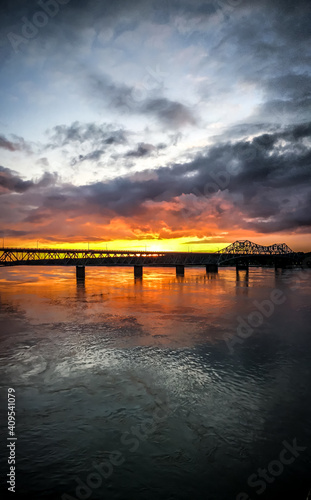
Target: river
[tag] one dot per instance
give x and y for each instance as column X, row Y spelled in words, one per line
column 162, row 388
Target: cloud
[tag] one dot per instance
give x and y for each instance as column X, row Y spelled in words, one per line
column 5, row 144
column 248, row 64
column 141, row 151
column 287, row 99
column 91, row 140
column 18, row 144
column 265, row 188
column 15, row 234
column 117, row 96
column 92, row 156
column 77, row 133
column 170, row 113
column 11, row 181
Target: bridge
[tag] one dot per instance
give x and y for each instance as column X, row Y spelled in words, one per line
column 241, row 254
column 246, row 247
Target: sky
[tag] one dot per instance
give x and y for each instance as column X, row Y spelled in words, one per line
column 164, row 125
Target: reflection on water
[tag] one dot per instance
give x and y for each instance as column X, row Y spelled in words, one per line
column 95, row 363
column 242, row 281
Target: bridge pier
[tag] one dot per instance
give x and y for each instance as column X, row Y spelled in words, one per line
column 242, row 264
column 211, row 268
column 138, row 271
column 80, row 273
column 279, row 263
column 180, row 270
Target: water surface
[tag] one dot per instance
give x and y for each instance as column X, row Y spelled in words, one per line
column 149, row 369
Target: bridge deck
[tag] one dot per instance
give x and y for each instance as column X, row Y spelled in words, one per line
column 70, row 257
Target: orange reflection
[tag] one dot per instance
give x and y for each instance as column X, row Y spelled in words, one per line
column 242, row 279
column 158, row 309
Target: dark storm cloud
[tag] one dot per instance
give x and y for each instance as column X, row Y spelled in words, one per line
column 266, row 45
column 287, row 98
column 298, row 132
column 67, row 21
column 290, row 86
column 260, row 41
column 75, row 16
column 282, row 19
column 11, row 181
column 268, row 188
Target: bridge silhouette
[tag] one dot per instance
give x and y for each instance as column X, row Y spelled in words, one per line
column 241, row 254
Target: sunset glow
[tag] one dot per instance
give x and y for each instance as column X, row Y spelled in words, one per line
column 155, row 126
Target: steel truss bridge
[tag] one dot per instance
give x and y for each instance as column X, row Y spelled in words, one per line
column 246, row 247
column 242, row 254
